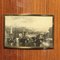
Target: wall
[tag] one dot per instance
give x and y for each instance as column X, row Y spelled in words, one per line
column 50, row 7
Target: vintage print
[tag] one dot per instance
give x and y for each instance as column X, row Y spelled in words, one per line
column 29, row 31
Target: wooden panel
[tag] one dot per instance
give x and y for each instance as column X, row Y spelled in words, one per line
column 50, row 7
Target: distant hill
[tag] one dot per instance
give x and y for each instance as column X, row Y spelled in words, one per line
column 20, row 30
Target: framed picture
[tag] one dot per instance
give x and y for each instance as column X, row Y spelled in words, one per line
column 29, row 31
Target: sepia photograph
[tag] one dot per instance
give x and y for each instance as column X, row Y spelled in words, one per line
column 29, row 31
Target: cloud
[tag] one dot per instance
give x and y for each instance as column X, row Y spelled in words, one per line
column 39, row 23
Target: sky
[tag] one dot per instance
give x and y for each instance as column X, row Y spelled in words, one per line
column 37, row 23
